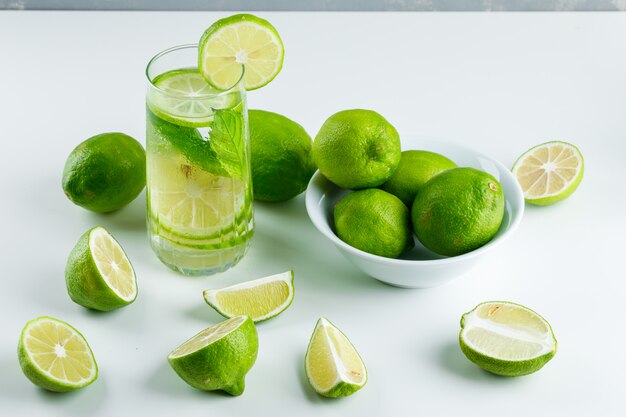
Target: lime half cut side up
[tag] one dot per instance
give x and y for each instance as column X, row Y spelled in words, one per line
column 332, row 364
column 184, row 98
column 98, row 274
column 236, row 41
column 55, row 356
column 218, row 357
column 549, row 172
column 260, row 299
column 506, row 339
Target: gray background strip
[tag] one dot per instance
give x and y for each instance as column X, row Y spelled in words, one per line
column 320, row 5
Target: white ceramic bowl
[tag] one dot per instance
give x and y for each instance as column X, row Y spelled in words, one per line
column 419, row 268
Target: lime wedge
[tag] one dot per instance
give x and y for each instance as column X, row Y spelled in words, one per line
column 184, row 98
column 506, row 338
column 218, row 357
column 260, row 299
column 549, row 172
column 332, row 365
column 55, row 356
column 190, row 202
column 98, row 273
column 241, row 39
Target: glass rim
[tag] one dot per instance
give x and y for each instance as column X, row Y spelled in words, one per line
column 202, row 96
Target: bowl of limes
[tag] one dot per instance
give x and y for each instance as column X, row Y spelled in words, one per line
column 444, row 208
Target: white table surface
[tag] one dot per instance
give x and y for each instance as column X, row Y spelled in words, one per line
column 497, row 82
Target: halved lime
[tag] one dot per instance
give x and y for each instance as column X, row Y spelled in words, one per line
column 183, row 97
column 55, row 356
column 506, row 339
column 218, row 357
column 260, row 299
column 98, row 273
column 236, row 41
column 190, row 202
column 549, row 172
column 332, row 365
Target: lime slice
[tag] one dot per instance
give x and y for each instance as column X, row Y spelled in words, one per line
column 55, row 356
column 241, row 39
column 218, row 357
column 549, row 172
column 98, row 273
column 260, row 299
column 332, row 365
column 184, row 98
column 506, row 338
column 190, row 202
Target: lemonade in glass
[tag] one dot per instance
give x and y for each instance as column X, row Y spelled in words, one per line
column 199, row 188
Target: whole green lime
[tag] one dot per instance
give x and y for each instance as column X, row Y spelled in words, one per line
column 458, row 211
column 105, row 172
column 281, row 159
column 374, row 221
column 415, row 168
column 357, row 149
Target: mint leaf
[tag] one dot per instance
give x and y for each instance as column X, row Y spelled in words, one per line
column 227, row 141
column 189, row 142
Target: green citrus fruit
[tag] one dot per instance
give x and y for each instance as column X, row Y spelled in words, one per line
column 374, row 221
column 241, row 39
column 332, row 365
column 506, row 339
column 55, row 356
column 105, row 172
column 260, row 299
column 357, row 149
column 458, row 211
column 98, row 274
column 550, row 172
column 415, row 168
column 281, row 159
column 218, row 357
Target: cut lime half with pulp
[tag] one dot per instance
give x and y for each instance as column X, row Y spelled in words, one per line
column 236, row 41
column 183, row 97
column 218, row 357
column 55, row 356
column 506, row 339
column 549, row 172
column 260, row 299
column 98, row 273
column 332, row 364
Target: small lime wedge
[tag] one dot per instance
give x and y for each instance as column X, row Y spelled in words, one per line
column 98, row 274
column 240, row 40
column 506, row 339
column 332, row 364
column 260, row 299
column 549, row 172
column 218, row 357
column 55, row 356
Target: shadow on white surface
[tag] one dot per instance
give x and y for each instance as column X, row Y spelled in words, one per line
column 165, row 382
column 129, row 218
column 81, row 402
column 203, row 313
